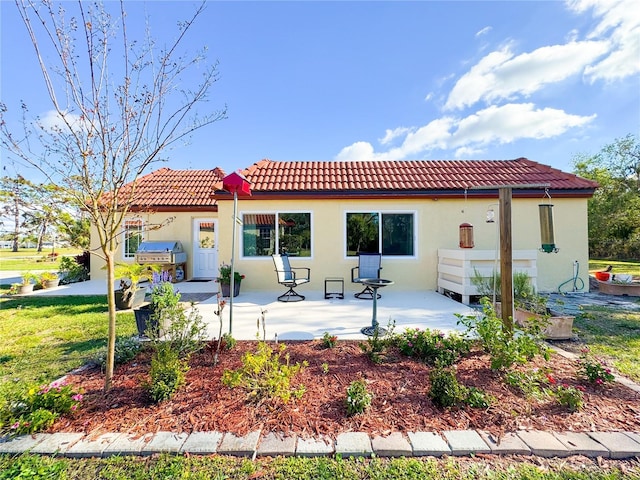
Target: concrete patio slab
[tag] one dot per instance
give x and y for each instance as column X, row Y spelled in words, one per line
column 428, row 444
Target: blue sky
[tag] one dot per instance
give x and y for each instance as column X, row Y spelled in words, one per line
column 362, row 80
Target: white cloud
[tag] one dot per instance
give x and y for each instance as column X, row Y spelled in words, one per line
column 389, row 135
column 501, row 75
column 484, row 31
column 619, row 23
column 51, row 121
column 471, row 134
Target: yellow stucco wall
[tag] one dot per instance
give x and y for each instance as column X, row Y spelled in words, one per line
column 436, row 226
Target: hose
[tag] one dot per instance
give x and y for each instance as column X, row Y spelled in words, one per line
column 575, row 279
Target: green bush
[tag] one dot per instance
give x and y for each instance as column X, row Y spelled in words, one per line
column 432, row 347
column 264, row 376
column 126, row 350
column 358, row 397
column 167, row 373
column 33, row 409
column 445, row 389
column 504, row 348
column 570, row 397
column 477, row 398
column 377, row 344
column 328, row 340
column 71, row 271
column 529, row 383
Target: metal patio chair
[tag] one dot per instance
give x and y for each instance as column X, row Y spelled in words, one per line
column 290, row 277
column 369, row 266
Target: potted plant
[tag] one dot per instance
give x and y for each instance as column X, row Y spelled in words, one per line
column 163, row 297
column 131, row 294
column 28, row 282
column 225, row 280
column 49, row 279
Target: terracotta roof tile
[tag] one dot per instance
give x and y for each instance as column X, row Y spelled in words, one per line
column 177, row 188
column 424, row 175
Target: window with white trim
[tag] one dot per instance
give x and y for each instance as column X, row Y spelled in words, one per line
column 133, row 237
column 389, row 233
column 264, row 234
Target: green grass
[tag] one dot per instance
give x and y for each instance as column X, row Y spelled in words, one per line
column 219, row 467
column 612, row 334
column 46, row 337
column 30, row 259
column 632, row 268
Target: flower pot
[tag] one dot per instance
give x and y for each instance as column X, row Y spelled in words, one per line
column 558, row 327
column 26, row 288
column 226, row 287
column 146, row 321
column 51, row 283
column 131, row 301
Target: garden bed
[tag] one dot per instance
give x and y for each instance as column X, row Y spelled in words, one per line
column 400, row 387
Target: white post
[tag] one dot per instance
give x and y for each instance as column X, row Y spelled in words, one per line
column 233, row 256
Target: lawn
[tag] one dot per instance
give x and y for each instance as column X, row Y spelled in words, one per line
column 632, row 268
column 45, row 337
column 29, row 259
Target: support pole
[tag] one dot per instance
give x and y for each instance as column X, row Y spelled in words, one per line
column 233, row 259
column 506, row 259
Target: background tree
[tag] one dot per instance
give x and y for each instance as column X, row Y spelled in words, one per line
column 16, row 196
column 119, row 101
column 614, row 210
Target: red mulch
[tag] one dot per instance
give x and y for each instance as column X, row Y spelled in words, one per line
column 400, row 387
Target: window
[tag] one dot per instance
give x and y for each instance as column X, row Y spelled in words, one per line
column 373, row 232
column 261, row 237
column 132, row 237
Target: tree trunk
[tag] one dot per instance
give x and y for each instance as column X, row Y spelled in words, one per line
column 111, row 335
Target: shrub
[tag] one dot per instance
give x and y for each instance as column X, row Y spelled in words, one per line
column 594, row 370
column 358, row 397
column 504, row 348
column 432, row 347
column 329, row 341
column 570, row 397
column 167, row 374
column 33, row 409
column 377, row 344
column 125, row 350
column 445, row 389
column 264, row 376
column 529, row 383
column 478, row 398
column 71, row 271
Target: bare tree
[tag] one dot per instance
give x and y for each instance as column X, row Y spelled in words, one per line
column 118, row 103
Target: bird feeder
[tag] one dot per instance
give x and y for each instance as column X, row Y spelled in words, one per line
column 466, row 235
column 546, row 229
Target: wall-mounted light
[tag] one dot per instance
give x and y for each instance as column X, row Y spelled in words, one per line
column 491, row 215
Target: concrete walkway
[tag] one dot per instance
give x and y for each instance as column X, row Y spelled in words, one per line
column 614, row 445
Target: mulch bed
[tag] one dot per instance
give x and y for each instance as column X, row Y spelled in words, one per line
column 400, row 387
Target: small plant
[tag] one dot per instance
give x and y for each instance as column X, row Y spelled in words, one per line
column 445, row 389
column 325, row 368
column 328, row 340
column 570, row 397
column 358, row 397
column 167, row 374
column 71, row 271
column 225, row 275
column 529, row 382
column 477, row 398
column 35, row 408
column 504, row 348
column 229, row 343
column 432, row 347
column 377, row 344
column 593, row 369
column 264, row 376
column 28, row 278
column 125, row 350
column 48, row 277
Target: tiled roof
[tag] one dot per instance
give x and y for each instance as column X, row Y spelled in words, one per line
column 175, row 188
column 424, row 175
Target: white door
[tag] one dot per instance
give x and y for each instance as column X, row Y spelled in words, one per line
column 205, row 248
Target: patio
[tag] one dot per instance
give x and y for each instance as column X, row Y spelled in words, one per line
column 310, row 318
